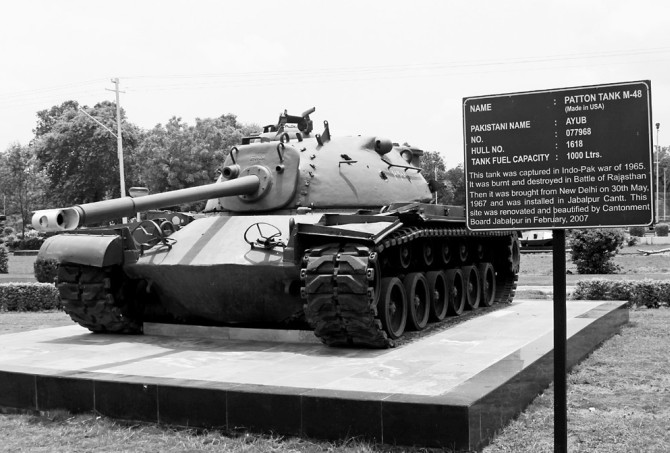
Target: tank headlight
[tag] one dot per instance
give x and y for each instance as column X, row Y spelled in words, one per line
column 407, row 155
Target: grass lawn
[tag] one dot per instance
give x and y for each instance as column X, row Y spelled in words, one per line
column 618, row 398
column 633, row 264
column 21, row 265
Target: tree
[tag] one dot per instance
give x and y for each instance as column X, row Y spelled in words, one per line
column 78, row 156
column 456, row 177
column 20, row 181
column 451, row 182
column 176, row 156
column 435, row 170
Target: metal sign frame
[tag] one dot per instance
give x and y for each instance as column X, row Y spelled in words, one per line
column 584, row 142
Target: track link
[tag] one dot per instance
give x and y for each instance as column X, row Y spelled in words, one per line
column 94, row 298
column 340, row 284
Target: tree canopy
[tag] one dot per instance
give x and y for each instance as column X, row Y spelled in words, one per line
column 73, row 159
column 451, row 182
column 21, row 183
column 177, row 155
column 78, row 156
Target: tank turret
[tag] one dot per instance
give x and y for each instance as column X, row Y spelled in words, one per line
column 302, row 230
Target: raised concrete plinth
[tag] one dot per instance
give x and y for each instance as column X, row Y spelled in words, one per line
column 454, row 388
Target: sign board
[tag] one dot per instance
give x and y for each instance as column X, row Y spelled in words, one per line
column 564, row 158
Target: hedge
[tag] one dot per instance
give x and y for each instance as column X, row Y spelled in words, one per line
column 4, row 260
column 28, row 297
column 647, row 292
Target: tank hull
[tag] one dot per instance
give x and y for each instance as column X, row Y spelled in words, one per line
column 212, row 275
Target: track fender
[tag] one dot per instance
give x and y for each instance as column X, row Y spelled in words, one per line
column 98, row 251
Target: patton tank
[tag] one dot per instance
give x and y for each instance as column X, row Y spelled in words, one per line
column 302, row 230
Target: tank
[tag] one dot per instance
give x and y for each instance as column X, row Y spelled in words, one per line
column 301, row 230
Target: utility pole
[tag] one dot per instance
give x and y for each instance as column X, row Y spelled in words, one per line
column 119, row 140
column 658, row 158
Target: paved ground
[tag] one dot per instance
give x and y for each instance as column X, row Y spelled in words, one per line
column 455, row 387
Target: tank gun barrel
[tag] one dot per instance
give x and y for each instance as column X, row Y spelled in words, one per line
column 85, row 214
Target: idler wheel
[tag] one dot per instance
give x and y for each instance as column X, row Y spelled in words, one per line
column 392, row 307
column 418, row 296
column 437, row 287
column 455, row 292
column 487, row 276
column 473, row 289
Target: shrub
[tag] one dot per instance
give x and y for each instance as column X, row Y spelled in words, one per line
column 637, row 231
column 650, row 293
column 593, row 250
column 45, row 269
column 4, row 259
column 631, row 241
column 661, row 229
column 8, row 240
column 28, row 297
column 28, row 243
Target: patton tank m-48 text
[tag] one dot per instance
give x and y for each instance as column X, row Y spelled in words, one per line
column 335, row 233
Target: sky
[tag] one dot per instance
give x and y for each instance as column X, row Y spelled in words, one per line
column 390, row 68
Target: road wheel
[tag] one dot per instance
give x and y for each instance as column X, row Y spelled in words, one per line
column 392, row 307
column 473, row 290
column 418, row 297
column 487, row 277
column 455, row 292
column 437, row 287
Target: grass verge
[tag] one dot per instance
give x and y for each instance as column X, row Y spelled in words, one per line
column 618, row 398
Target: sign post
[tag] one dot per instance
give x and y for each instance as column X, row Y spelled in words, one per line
column 559, row 159
column 560, row 346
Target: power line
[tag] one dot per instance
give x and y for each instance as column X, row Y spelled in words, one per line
column 337, row 74
column 46, row 90
column 405, row 67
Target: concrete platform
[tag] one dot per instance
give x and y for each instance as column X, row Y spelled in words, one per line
column 454, row 388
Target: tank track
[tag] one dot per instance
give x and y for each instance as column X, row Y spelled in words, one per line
column 341, row 283
column 95, row 298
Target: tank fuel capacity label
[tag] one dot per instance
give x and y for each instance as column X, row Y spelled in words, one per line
column 565, row 158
